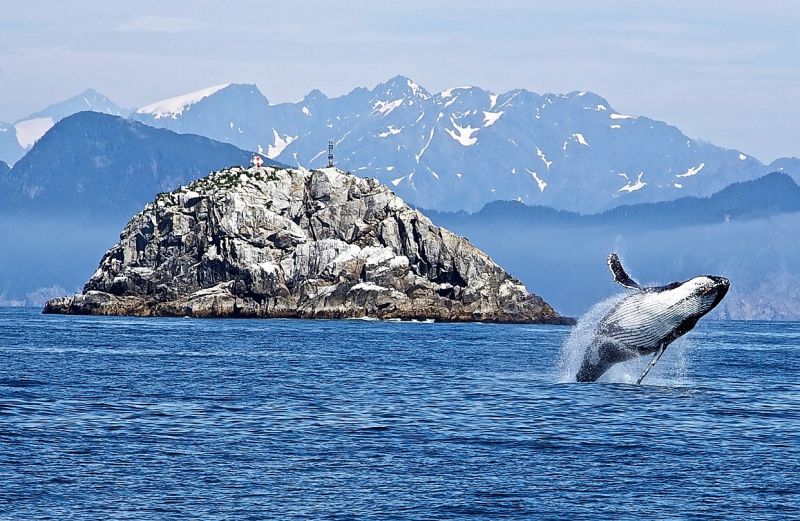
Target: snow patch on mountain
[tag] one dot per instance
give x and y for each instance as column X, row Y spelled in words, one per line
column 449, row 92
column 430, row 138
column 514, row 94
column 620, row 116
column 31, row 130
column 416, row 90
column 633, row 186
column 543, row 158
column 692, row 171
column 464, row 135
column 451, row 101
column 390, row 131
column 338, row 142
column 577, row 138
column 385, row 108
column 490, row 118
column 542, row 184
column 281, row 142
column 175, row 107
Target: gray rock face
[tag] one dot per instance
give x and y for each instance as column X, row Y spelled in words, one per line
column 264, row 242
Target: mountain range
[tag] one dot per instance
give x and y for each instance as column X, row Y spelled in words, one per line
column 92, row 164
column 17, row 138
column 770, row 195
column 746, row 232
column 64, row 203
column 463, row 147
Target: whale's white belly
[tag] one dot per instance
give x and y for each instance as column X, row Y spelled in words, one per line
column 644, row 319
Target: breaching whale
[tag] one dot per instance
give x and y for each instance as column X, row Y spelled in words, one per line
column 648, row 320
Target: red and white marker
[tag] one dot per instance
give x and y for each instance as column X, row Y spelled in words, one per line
column 257, row 161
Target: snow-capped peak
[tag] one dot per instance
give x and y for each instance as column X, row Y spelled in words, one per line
column 31, row 129
column 399, row 87
column 174, row 107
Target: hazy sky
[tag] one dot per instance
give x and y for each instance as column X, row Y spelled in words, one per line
column 726, row 71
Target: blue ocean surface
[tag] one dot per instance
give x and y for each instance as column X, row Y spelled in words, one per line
column 132, row 418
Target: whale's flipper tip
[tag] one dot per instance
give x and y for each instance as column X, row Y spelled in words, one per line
column 620, row 276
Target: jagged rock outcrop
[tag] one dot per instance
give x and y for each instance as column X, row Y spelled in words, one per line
column 264, row 242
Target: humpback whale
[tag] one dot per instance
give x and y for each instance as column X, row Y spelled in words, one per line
column 647, row 320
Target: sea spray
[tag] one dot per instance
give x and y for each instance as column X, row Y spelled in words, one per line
column 581, row 338
column 670, row 371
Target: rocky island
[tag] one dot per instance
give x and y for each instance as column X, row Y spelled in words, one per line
column 270, row 242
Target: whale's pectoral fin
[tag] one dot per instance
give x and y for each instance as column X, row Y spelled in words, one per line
column 653, row 362
column 619, row 273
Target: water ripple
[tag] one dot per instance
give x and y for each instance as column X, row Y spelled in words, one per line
column 169, row 418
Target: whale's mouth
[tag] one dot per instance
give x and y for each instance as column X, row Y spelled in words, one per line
column 720, row 288
column 722, row 285
column 719, row 284
column 720, row 281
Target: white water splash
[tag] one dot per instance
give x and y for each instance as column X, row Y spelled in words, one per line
column 670, row 371
column 569, row 360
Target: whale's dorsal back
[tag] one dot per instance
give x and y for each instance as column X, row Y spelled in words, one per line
column 620, row 275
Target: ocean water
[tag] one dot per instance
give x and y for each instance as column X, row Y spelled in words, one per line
column 125, row 418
